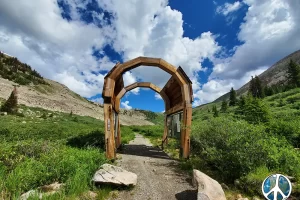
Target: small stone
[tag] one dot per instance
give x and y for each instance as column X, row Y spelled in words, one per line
column 154, row 170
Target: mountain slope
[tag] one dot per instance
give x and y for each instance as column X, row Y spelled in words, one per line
column 36, row 91
column 273, row 75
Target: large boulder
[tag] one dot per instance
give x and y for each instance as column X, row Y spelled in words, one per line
column 110, row 174
column 208, row 188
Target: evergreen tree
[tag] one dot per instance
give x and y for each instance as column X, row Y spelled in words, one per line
column 232, row 97
column 215, row 111
column 255, row 88
column 293, row 74
column 259, row 88
column 11, row 105
column 224, row 106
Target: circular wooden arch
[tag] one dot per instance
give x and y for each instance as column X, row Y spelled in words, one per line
column 177, row 95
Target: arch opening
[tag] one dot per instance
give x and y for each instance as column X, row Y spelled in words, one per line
column 177, row 96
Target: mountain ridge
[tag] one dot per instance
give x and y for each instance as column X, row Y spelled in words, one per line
column 271, row 76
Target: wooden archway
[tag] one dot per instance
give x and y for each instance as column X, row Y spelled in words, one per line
column 177, row 95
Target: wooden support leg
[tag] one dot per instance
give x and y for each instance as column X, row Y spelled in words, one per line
column 185, row 131
column 109, row 132
column 118, row 139
column 165, row 136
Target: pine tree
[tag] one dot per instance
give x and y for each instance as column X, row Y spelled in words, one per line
column 259, row 88
column 11, row 105
column 293, row 74
column 224, row 106
column 215, row 111
column 255, row 88
column 232, row 97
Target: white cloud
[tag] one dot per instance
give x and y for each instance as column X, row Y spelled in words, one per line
column 126, row 105
column 153, row 29
column 228, row 8
column 270, row 32
column 129, row 79
column 97, row 100
column 35, row 32
column 157, row 96
column 59, row 49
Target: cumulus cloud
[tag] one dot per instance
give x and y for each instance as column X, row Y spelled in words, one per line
column 228, row 8
column 129, row 79
column 270, row 32
column 61, row 50
column 153, row 29
column 126, row 105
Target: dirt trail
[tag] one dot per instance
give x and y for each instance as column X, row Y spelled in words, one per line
column 159, row 177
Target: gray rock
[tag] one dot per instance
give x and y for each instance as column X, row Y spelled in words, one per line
column 42, row 191
column 114, row 175
column 202, row 196
column 208, row 188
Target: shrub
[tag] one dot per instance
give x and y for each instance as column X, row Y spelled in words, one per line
column 234, row 148
column 251, row 183
column 286, row 128
column 253, row 110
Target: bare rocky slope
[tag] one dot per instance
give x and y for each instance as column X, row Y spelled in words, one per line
column 273, row 75
column 58, row 97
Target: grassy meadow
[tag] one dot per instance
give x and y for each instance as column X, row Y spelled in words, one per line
column 41, row 147
column 239, row 147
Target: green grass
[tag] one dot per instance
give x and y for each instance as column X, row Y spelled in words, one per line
column 38, row 151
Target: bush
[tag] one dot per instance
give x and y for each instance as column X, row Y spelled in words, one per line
column 251, row 183
column 286, row 128
column 234, row 148
column 254, row 110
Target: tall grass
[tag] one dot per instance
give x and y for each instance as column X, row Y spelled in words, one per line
column 38, row 151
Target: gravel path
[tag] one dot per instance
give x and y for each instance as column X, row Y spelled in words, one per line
column 158, row 175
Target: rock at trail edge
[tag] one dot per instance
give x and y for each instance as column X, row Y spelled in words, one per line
column 208, row 188
column 110, row 174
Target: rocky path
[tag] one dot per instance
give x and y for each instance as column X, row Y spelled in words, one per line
column 159, row 177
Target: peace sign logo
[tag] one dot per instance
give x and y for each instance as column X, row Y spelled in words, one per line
column 276, row 187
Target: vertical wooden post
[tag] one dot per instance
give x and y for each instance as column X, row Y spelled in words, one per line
column 118, row 139
column 186, row 130
column 109, row 131
column 165, row 135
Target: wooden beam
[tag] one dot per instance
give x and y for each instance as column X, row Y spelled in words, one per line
column 174, row 109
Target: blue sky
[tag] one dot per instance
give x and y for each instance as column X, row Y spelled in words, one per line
column 220, row 44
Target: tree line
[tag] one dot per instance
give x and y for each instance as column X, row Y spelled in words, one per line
column 257, row 91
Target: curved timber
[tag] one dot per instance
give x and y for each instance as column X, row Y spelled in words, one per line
column 177, row 95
